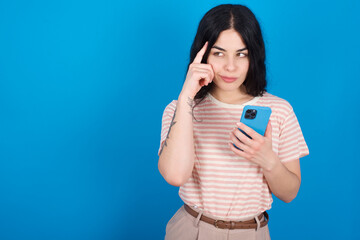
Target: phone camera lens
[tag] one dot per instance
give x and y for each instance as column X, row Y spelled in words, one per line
column 250, row 113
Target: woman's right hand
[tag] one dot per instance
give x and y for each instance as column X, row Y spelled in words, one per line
column 198, row 75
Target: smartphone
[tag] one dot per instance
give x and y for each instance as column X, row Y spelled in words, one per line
column 255, row 117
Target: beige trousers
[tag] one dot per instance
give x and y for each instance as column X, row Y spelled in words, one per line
column 183, row 226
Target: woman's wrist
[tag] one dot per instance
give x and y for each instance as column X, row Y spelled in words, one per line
column 273, row 165
column 186, row 98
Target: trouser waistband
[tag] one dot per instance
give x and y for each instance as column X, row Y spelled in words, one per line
column 250, row 224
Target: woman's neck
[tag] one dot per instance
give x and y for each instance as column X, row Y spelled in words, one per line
column 238, row 96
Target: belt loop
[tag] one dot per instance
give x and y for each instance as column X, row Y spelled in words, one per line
column 257, row 222
column 198, row 218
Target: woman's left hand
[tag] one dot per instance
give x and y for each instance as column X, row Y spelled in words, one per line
column 258, row 149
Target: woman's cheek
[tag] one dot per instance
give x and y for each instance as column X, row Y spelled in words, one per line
column 216, row 65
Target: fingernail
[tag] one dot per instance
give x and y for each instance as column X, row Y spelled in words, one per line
column 238, row 123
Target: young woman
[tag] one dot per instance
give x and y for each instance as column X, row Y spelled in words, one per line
column 226, row 191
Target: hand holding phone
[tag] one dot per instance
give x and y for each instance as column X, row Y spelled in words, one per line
column 255, row 117
column 258, row 148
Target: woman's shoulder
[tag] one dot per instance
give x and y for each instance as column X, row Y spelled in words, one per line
column 171, row 106
column 276, row 103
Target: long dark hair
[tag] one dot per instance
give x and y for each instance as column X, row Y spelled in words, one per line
column 242, row 20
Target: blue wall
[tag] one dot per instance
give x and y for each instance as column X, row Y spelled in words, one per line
column 83, row 85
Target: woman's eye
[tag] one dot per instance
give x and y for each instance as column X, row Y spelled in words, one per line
column 242, row 55
column 218, row 54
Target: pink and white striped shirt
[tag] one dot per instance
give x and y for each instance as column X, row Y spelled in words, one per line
column 223, row 184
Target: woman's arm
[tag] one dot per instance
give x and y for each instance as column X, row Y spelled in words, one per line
column 283, row 178
column 176, row 157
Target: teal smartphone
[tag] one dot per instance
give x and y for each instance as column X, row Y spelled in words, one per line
column 255, row 117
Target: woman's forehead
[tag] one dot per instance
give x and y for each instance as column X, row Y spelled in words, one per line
column 230, row 40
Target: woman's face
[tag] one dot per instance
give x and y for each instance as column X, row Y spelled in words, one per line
column 229, row 59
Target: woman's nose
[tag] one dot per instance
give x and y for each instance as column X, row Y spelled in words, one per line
column 230, row 65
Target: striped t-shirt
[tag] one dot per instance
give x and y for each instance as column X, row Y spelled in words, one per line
column 223, row 184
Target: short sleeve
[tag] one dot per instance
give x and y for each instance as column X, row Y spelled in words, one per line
column 292, row 144
column 166, row 121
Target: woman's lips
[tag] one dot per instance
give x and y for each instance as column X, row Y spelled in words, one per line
column 228, row 79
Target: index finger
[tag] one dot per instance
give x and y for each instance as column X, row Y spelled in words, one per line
column 200, row 54
column 249, row 131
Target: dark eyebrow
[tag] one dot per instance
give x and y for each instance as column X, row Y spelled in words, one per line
column 221, row 49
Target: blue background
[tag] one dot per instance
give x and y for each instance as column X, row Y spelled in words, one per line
column 83, row 85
